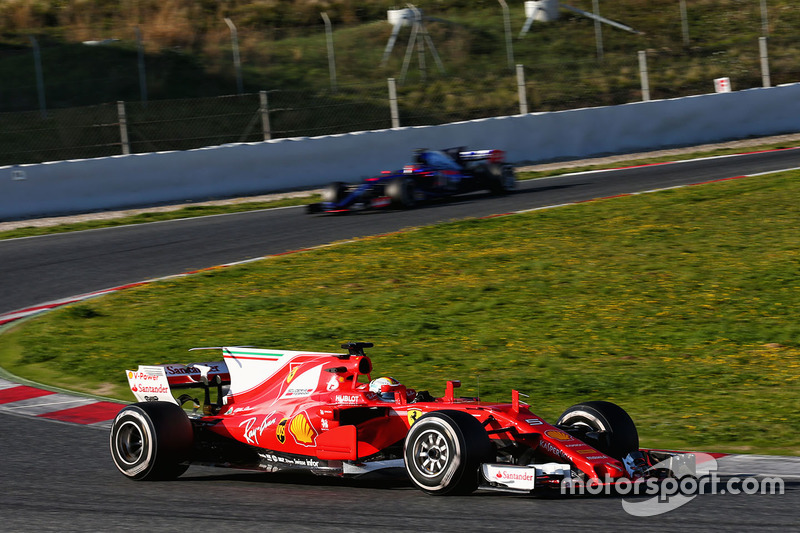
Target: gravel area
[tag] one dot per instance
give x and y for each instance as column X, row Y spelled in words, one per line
column 607, row 160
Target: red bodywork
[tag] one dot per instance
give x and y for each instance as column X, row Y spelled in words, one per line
column 286, row 406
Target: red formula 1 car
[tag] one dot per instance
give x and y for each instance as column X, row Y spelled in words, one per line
column 275, row 410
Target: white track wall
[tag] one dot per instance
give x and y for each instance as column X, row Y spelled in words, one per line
column 241, row 169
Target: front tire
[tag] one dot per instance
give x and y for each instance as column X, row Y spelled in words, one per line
column 615, row 430
column 443, row 452
column 151, row 441
column 334, row 192
column 402, row 191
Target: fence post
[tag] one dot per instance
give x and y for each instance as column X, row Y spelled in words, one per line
column 393, row 104
column 684, row 23
column 331, row 56
column 237, row 63
column 507, row 30
column 264, row 115
column 643, row 75
column 598, row 30
column 37, row 60
column 142, row 76
column 123, row 128
column 523, row 97
column 762, row 45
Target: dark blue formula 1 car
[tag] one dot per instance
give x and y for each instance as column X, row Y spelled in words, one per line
column 434, row 174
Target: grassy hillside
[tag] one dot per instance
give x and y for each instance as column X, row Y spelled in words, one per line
column 681, row 306
column 282, row 47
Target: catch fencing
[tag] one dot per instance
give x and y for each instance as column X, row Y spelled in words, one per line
column 182, row 124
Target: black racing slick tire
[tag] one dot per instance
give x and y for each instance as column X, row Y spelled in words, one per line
column 615, row 430
column 508, row 179
column 402, row 191
column 499, row 179
column 151, row 441
column 443, row 452
column 334, row 192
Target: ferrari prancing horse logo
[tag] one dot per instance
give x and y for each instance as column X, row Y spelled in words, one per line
column 292, row 372
column 413, row 415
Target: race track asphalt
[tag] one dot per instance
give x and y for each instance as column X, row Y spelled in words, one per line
column 59, row 477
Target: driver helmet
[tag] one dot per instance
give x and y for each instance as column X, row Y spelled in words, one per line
column 376, row 384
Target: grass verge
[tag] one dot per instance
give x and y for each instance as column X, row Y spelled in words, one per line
column 681, row 306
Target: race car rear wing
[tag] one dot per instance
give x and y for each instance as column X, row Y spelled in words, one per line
column 493, row 156
column 154, row 383
column 242, row 371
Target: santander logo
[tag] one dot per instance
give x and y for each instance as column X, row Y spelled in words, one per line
column 510, row 476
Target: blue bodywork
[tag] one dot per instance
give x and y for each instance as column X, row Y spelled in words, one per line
column 434, row 174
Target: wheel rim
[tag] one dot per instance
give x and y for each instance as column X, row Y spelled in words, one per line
column 431, row 453
column 332, row 194
column 130, row 443
column 585, row 420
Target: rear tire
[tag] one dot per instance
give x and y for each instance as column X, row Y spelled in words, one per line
column 500, row 179
column 402, row 191
column 151, row 441
column 619, row 436
column 509, row 179
column 444, row 450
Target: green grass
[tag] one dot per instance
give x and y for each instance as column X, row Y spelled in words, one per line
column 681, row 306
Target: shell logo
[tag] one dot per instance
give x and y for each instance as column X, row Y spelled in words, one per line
column 302, row 431
column 558, row 435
